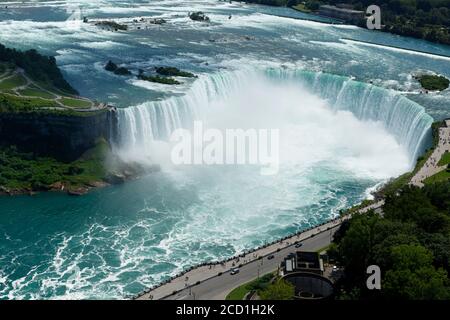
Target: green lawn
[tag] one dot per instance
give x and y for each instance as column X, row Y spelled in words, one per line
column 75, row 103
column 445, row 159
column 13, row 82
column 240, row 292
column 32, row 92
column 404, row 179
column 439, row 177
column 10, row 103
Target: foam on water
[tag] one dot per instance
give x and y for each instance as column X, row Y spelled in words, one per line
column 404, row 119
column 341, row 138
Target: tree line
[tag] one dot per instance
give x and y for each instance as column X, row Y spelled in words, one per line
column 423, row 19
column 39, row 67
column 410, row 243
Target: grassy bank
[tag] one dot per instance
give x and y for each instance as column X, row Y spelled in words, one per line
column 11, row 103
column 21, row 172
column 397, row 183
column 257, row 284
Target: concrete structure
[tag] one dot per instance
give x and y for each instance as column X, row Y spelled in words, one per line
column 342, row 13
column 303, row 261
column 212, row 281
column 304, row 269
column 310, row 286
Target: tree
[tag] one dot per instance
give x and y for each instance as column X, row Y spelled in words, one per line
column 279, row 290
column 413, row 275
column 356, row 247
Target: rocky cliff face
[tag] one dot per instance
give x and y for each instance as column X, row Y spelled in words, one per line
column 63, row 137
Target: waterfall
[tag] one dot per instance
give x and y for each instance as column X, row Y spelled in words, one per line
column 406, row 120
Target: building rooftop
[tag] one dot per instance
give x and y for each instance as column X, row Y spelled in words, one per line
column 304, row 261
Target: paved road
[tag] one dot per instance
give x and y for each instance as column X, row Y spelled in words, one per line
column 431, row 166
column 209, row 272
column 217, row 288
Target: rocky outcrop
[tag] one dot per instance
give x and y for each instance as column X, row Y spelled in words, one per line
column 63, row 137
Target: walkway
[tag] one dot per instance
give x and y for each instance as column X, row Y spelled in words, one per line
column 207, row 275
column 431, row 166
column 56, row 97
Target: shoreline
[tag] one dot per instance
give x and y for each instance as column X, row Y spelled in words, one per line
column 112, row 179
column 208, row 270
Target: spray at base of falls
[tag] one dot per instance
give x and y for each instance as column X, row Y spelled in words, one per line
column 139, row 127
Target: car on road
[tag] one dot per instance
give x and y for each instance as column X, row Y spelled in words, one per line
column 298, row 245
column 234, row 271
column 270, row 257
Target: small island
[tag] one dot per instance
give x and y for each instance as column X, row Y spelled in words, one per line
column 161, row 75
column 121, row 71
column 433, row 82
column 199, row 16
column 174, row 72
column 158, row 79
column 112, row 25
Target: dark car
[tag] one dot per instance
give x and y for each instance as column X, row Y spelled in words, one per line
column 298, row 245
column 270, row 257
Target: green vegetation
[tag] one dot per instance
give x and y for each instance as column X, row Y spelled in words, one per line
column 38, row 67
column 423, row 19
column 410, row 243
column 9, row 103
column 173, row 72
column 401, row 181
column 438, row 177
column 278, row 290
column 25, row 171
column 445, row 159
column 75, row 103
column 433, row 82
column 255, row 285
column 357, row 207
column 158, row 79
column 12, row 82
column 32, row 92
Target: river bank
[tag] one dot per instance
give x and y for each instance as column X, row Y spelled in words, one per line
column 195, row 276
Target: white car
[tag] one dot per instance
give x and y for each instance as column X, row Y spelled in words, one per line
column 234, row 271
